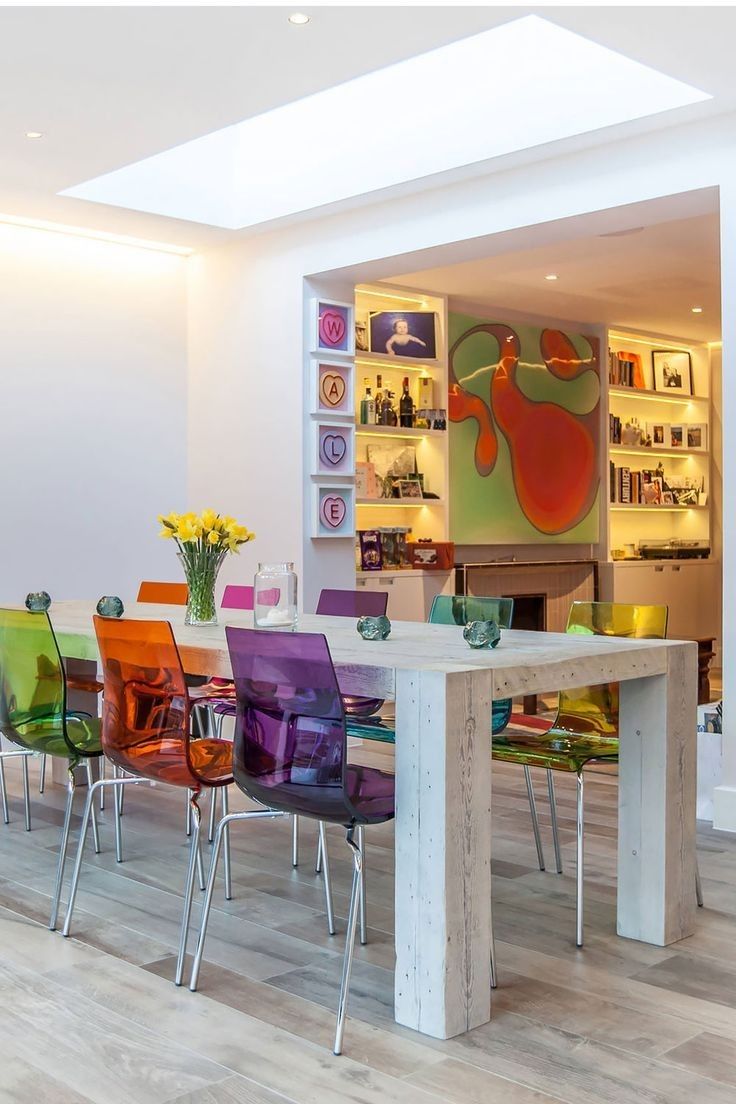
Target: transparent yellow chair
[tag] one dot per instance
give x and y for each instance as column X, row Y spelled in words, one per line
column 586, row 726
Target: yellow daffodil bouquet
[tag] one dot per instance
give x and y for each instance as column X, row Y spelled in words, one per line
column 203, row 541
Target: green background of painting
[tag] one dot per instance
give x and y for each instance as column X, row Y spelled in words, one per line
column 485, row 510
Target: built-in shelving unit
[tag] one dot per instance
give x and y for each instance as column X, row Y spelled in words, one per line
column 397, row 431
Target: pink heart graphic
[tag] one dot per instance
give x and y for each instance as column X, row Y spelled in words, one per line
column 333, row 389
column 334, row 448
column 333, row 511
column 331, row 328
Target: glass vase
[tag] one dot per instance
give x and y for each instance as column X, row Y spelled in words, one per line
column 275, row 597
column 201, row 571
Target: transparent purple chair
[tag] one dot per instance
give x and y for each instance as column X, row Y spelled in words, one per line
column 290, row 755
column 352, row 603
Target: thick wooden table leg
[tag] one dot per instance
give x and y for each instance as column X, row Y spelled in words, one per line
column 656, row 820
column 443, row 850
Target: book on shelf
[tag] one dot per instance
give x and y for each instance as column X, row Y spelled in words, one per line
column 625, row 370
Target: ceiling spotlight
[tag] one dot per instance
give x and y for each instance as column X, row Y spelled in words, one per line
column 697, row 310
column 551, row 276
column 34, row 134
column 299, row 19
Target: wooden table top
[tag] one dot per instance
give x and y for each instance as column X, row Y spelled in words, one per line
column 523, row 662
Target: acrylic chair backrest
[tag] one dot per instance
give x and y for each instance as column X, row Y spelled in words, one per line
column 352, row 603
column 458, row 609
column 290, row 744
column 32, row 685
column 237, row 597
column 145, row 716
column 594, row 709
column 168, row 594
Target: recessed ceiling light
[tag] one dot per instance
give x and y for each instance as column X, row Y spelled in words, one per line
column 299, row 19
column 551, row 276
column 243, row 174
column 34, row 134
column 697, row 310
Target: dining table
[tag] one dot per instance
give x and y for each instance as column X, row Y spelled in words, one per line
column 443, row 691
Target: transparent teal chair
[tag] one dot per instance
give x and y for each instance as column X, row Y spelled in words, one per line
column 33, row 712
column 585, row 729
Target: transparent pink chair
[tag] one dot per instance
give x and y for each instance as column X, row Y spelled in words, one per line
column 290, row 756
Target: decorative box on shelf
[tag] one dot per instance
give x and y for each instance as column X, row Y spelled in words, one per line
column 432, row 555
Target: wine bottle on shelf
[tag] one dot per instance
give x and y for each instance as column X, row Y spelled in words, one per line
column 379, row 398
column 393, row 419
column 367, row 406
column 406, row 407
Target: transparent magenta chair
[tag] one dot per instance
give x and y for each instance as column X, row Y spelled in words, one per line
column 352, row 603
column 586, row 726
column 290, row 755
column 34, row 715
column 146, row 733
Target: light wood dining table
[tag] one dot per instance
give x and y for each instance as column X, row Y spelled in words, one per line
column 443, row 691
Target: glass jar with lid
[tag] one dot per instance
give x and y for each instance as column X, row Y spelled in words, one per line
column 275, row 597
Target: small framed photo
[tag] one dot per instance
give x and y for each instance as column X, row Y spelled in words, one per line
column 677, row 436
column 659, row 432
column 668, row 499
column 333, row 449
column 403, row 333
column 409, row 488
column 334, row 509
column 331, row 387
column 672, row 372
column 361, row 332
column 697, row 436
column 332, row 327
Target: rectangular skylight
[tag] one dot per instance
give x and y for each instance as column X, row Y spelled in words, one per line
column 511, row 88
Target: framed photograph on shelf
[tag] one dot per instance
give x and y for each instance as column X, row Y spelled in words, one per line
column 332, row 327
column 677, row 436
column 697, row 436
column 409, row 488
column 403, row 333
column 659, row 432
column 672, row 372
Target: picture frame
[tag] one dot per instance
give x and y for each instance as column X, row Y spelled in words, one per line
column 677, row 435
column 673, row 371
column 332, row 327
column 659, row 433
column 668, row 498
column 409, row 488
column 697, row 436
column 332, row 388
column 333, row 448
column 333, row 511
column 403, row 333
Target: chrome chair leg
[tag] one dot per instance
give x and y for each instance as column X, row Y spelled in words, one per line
column 553, row 815
column 580, row 864
column 207, row 903
column 698, row 884
column 494, row 977
column 4, row 793
column 93, row 814
column 26, row 793
column 42, row 775
column 533, row 811
column 228, row 869
column 103, row 775
column 115, row 782
column 294, row 840
column 194, row 856
column 189, row 813
column 363, row 899
column 318, row 860
column 200, row 865
column 63, row 845
column 213, row 814
column 342, row 1006
column 322, row 850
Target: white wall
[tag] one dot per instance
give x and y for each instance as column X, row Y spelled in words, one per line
column 93, row 399
column 246, row 310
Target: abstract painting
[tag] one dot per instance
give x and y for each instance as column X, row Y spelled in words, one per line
column 524, row 410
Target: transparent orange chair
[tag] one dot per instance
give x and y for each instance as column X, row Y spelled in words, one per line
column 146, row 733
column 585, row 729
column 166, row 594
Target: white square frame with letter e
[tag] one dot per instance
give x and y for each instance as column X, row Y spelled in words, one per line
column 329, row 518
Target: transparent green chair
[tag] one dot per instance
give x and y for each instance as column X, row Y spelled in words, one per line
column 586, row 726
column 33, row 713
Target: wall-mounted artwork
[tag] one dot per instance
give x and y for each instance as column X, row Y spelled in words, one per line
column 333, row 448
column 524, row 434
column 333, row 511
column 403, row 333
column 332, row 387
column 333, row 327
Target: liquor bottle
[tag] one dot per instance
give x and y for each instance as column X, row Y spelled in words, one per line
column 393, row 419
column 367, row 406
column 406, row 407
column 379, row 398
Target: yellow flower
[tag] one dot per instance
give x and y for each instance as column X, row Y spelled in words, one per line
column 170, row 521
column 188, row 530
column 213, row 537
column 208, row 519
column 166, row 533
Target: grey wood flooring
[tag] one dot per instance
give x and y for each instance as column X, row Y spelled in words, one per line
column 97, row 1019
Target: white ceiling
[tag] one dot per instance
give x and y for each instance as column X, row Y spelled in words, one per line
column 646, row 280
column 110, row 86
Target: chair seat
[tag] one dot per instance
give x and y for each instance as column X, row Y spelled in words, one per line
column 371, row 791
column 46, row 737
column 215, row 688
column 161, row 759
column 86, row 685
column 361, row 707
column 556, row 749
